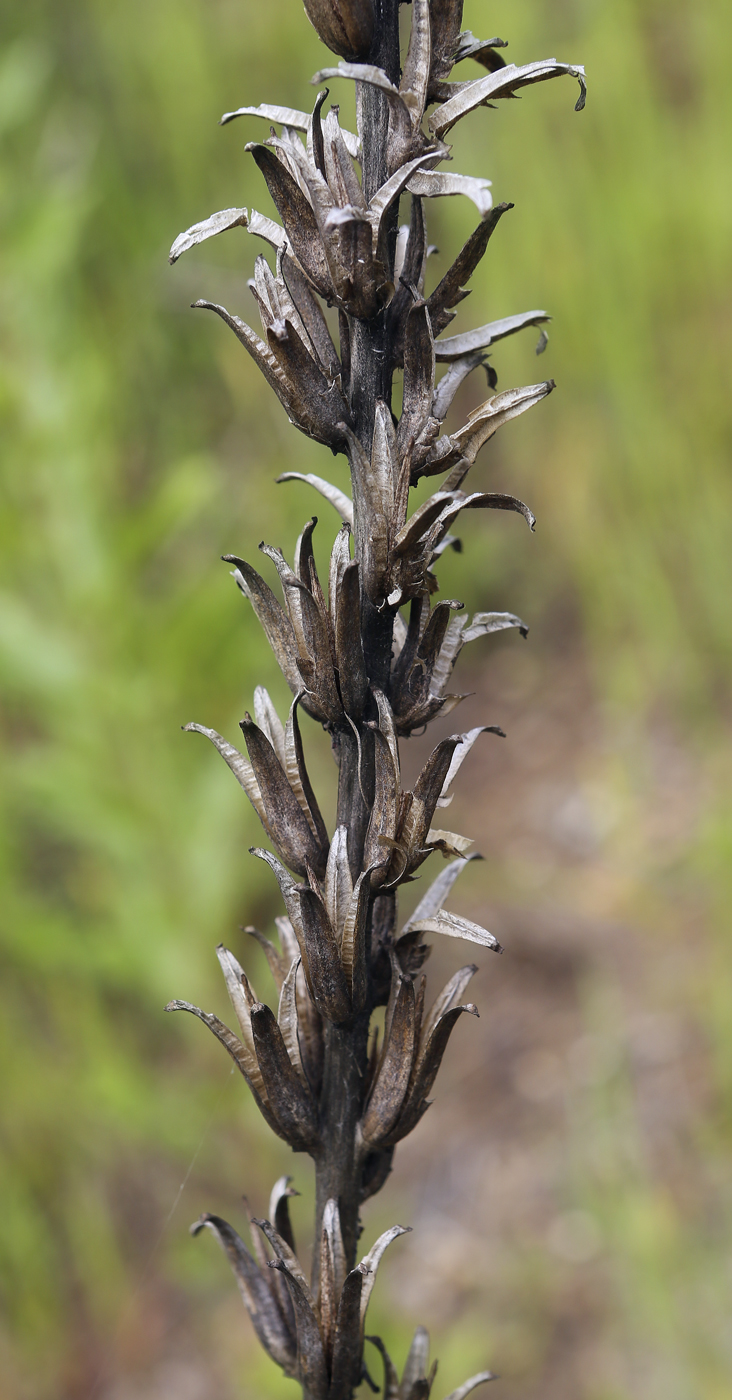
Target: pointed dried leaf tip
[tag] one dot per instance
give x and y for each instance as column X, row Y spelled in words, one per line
column 338, row 499
column 483, row 336
column 415, row 1367
column 275, row 624
column 240, row 1054
column 242, row 770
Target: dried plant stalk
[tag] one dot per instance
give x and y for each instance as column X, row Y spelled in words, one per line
column 355, row 663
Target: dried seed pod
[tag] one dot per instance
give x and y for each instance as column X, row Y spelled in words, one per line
column 338, row 882
column 392, row 1076
column 346, row 27
column 326, row 979
column 291, row 1102
column 287, row 1020
column 285, row 819
column 352, row 678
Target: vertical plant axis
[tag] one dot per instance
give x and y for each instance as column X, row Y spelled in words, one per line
column 369, row 657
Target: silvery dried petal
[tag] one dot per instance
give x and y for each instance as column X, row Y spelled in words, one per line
column 208, row 228
column 326, row 979
column 504, row 83
column 483, row 336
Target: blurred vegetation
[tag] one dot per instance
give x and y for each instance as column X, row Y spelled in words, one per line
column 139, row 445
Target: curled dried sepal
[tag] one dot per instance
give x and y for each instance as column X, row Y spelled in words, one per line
column 450, row 291
column 371, row 1261
column 460, row 756
column 289, row 117
column 457, row 634
column 433, row 184
column 465, row 444
column 338, row 499
column 484, row 336
column 240, row 767
column 284, row 1251
column 482, row 50
column 425, row 1072
column 504, row 83
column 207, row 228
column 242, row 999
column 275, row 624
column 257, row 1292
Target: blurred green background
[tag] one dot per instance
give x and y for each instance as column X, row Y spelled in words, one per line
column 139, row 445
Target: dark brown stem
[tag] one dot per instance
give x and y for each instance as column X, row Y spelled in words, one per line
column 338, row 1169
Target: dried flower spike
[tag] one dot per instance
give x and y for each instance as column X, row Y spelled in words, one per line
column 369, row 657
